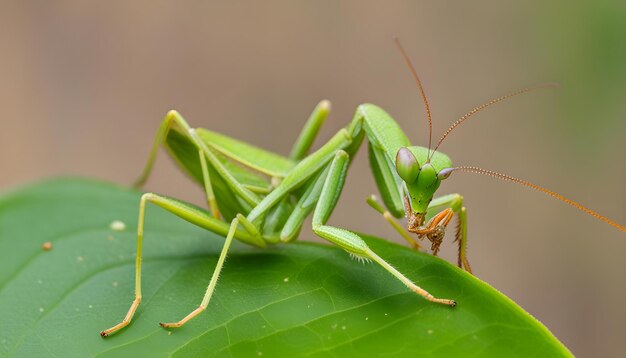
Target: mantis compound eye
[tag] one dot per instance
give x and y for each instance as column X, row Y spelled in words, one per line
column 407, row 166
column 445, row 173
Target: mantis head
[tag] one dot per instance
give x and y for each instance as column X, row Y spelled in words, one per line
column 420, row 181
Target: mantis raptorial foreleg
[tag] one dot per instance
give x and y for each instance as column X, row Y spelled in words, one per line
column 439, row 214
column 455, row 203
column 435, row 229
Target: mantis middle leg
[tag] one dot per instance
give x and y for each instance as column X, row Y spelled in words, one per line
column 332, row 158
column 348, row 240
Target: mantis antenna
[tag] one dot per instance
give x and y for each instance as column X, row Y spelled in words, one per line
column 485, row 105
column 541, row 189
column 419, row 84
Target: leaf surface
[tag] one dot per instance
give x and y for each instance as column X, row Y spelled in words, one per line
column 299, row 299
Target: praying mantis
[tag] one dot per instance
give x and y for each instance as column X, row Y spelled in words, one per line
column 261, row 198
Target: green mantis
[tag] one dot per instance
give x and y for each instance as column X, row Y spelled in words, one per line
column 262, row 198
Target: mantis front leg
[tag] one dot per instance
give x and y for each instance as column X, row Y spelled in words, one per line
column 451, row 203
column 436, row 226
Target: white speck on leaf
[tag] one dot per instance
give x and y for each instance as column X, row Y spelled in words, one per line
column 117, row 225
column 343, row 328
column 40, row 309
column 286, row 279
column 90, row 306
column 430, row 331
column 115, row 283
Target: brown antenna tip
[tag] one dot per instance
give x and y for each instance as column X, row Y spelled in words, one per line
column 541, row 189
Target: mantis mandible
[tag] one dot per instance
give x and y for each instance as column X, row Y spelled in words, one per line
column 267, row 203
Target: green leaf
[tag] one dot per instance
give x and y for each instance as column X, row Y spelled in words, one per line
column 297, row 299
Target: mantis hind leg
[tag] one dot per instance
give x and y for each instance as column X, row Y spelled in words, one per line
column 211, row 287
column 299, row 151
column 197, row 217
column 205, row 154
column 159, row 139
column 166, row 125
column 348, row 240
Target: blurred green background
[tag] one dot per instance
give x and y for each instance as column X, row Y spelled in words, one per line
column 84, row 86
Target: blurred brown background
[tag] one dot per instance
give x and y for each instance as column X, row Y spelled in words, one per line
column 83, row 87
